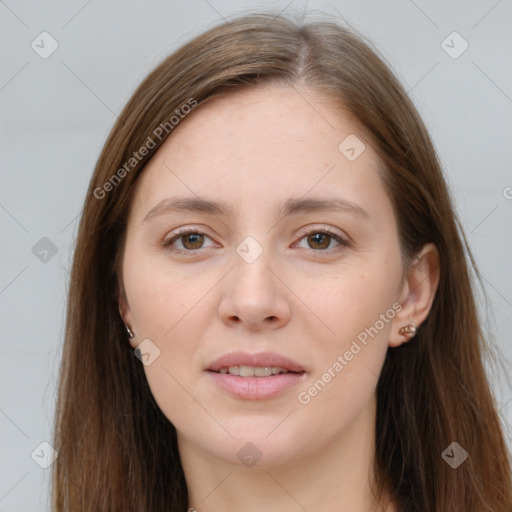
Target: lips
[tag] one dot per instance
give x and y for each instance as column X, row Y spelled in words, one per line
column 260, row 376
column 260, row 360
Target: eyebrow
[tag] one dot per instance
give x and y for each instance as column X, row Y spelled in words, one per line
column 289, row 207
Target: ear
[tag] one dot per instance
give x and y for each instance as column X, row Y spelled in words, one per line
column 126, row 315
column 418, row 292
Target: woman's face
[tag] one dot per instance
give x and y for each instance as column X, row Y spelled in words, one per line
column 255, row 179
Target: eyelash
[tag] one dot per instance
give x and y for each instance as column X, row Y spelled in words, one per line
column 167, row 244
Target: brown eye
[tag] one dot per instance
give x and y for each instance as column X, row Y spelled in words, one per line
column 319, row 240
column 186, row 241
column 192, row 241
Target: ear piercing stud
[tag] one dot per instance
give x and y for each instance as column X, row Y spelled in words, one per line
column 129, row 332
column 407, row 331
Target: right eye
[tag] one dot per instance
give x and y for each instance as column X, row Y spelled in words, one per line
column 190, row 239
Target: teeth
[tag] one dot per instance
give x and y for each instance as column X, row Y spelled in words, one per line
column 246, row 371
column 253, row 371
column 263, row 372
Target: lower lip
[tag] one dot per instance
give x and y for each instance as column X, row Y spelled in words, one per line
column 256, row 388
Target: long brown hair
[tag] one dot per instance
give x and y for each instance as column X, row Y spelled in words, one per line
column 117, row 450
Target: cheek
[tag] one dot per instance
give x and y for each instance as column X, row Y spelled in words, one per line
column 353, row 301
column 161, row 299
column 357, row 308
column 171, row 311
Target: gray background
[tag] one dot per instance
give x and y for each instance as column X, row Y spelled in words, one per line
column 57, row 112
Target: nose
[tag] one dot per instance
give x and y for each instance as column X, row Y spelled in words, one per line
column 254, row 296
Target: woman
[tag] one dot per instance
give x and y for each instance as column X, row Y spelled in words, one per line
column 270, row 304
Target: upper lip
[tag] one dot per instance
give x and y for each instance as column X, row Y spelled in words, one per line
column 262, row 359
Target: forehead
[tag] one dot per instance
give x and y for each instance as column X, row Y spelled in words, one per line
column 262, row 144
column 276, row 121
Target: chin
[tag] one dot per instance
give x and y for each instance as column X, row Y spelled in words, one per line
column 258, row 453
column 262, row 441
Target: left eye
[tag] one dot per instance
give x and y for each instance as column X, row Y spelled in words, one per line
column 321, row 240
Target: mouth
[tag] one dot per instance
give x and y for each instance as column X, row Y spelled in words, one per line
column 253, row 371
column 255, row 376
column 248, row 364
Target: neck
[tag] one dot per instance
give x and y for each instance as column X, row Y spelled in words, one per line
column 339, row 476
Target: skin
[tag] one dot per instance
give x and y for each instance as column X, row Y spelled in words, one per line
column 304, row 298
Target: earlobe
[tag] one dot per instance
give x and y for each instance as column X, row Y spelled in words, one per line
column 418, row 293
column 124, row 313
